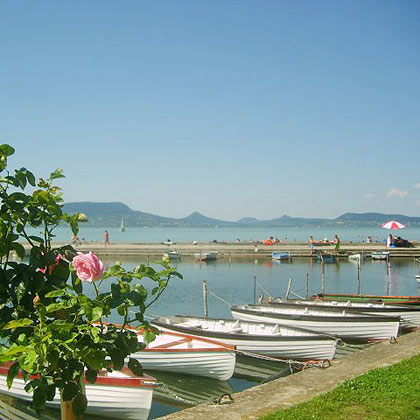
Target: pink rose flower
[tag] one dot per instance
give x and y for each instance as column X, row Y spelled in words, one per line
column 88, row 267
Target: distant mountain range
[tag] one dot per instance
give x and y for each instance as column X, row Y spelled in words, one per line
column 111, row 214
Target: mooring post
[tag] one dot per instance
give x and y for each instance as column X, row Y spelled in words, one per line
column 289, row 286
column 359, row 289
column 307, row 285
column 255, row 290
column 323, row 277
column 205, row 300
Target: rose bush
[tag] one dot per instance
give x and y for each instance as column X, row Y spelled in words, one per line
column 51, row 331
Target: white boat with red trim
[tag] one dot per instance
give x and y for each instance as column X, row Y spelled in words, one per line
column 274, row 340
column 119, row 394
column 181, row 353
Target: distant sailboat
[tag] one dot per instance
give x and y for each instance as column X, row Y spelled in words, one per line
column 122, row 228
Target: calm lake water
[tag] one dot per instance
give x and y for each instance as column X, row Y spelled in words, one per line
column 231, row 234
column 232, row 283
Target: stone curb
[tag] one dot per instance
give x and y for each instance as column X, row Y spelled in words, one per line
column 303, row 386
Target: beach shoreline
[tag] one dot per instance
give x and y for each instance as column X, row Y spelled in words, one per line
column 230, row 250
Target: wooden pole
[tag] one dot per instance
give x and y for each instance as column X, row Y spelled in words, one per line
column 255, row 290
column 359, row 289
column 289, row 286
column 323, row 277
column 307, row 285
column 205, row 299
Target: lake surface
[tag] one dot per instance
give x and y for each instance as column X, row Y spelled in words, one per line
column 240, row 282
column 231, row 234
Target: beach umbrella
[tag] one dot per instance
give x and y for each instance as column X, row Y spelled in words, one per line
column 392, row 224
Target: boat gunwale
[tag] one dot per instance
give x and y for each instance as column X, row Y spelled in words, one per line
column 365, row 318
column 328, row 304
column 244, row 336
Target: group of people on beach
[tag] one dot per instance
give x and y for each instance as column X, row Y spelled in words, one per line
column 336, row 242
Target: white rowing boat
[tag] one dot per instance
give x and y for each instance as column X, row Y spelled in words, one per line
column 173, row 352
column 408, row 314
column 173, row 255
column 380, row 255
column 118, row 395
column 254, row 337
column 206, row 256
column 342, row 323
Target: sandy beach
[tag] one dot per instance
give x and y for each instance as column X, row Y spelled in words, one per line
column 231, row 250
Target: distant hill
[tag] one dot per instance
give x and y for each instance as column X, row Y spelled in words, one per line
column 375, row 219
column 110, row 215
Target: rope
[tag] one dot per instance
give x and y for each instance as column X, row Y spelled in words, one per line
column 314, row 363
column 221, row 299
column 262, row 288
column 225, row 398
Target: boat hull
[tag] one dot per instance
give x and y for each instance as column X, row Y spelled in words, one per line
column 288, row 347
column 408, row 314
column 345, row 328
column 213, row 364
column 110, row 401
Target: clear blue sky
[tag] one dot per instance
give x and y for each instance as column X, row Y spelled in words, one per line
column 231, row 108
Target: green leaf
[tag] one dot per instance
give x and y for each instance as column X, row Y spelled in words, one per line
column 58, row 173
column 69, row 391
column 95, row 359
column 122, row 310
column 24, row 322
column 55, row 293
column 36, row 239
column 91, row 375
column 13, row 371
column 27, row 360
column 31, row 179
column 97, row 312
column 135, row 366
column 20, row 250
column 6, row 150
column 80, row 403
column 117, row 359
column 50, row 392
column 149, row 336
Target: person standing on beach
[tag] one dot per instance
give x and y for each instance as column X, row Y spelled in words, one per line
column 106, row 238
column 311, row 244
column 336, row 243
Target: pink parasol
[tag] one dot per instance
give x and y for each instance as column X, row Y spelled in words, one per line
column 392, row 224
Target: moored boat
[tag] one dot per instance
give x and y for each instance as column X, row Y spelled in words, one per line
column 274, row 340
column 278, row 255
column 326, row 258
column 356, row 257
column 181, row 353
column 206, row 256
column 380, row 255
column 389, row 300
column 408, row 314
column 342, row 323
column 173, row 255
column 117, row 395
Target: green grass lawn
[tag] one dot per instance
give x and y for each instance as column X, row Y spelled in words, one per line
column 381, row 394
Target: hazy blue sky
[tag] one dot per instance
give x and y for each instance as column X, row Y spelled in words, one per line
column 231, row 108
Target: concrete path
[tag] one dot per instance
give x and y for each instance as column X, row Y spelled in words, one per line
column 303, row 386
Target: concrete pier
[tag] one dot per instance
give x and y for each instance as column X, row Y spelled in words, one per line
column 303, row 386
